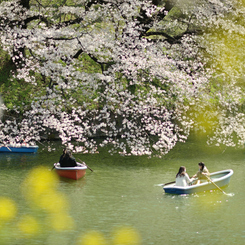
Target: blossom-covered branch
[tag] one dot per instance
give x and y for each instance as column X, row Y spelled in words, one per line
column 138, row 74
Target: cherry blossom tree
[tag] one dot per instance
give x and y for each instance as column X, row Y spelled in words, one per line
column 138, row 74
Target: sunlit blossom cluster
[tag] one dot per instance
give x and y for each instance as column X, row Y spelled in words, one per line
column 144, row 94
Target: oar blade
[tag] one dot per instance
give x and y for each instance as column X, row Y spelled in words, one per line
column 159, row 185
column 165, row 183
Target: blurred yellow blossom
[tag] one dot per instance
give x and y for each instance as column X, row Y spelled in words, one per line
column 60, row 221
column 226, row 46
column 92, row 238
column 28, row 225
column 39, row 181
column 40, row 187
column 126, row 236
column 53, row 201
column 8, row 209
column 121, row 236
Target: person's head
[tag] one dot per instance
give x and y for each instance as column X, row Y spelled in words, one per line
column 182, row 171
column 201, row 165
column 67, row 152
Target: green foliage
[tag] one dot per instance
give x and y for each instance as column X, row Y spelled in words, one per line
column 15, row 93
column 5, row 66
column 89, row 65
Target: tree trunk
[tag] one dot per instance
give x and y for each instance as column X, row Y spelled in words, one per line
column 25, row 3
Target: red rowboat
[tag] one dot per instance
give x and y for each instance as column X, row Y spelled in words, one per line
column 71, row 172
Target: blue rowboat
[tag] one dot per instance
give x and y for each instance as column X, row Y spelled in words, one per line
column 19, row 149
column 220, row 178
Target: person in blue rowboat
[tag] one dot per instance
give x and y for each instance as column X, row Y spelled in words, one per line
column 182, row 178
column 67, row 160
column 201, row 172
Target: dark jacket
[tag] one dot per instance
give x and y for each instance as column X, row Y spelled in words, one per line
column 67, row 161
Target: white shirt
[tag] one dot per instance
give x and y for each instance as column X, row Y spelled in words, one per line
column 183, row 180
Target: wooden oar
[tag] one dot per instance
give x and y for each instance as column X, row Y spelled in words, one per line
column 166, row 183
column 215, row 184
column 8, row 148
column 41, row 143
column 86, row 165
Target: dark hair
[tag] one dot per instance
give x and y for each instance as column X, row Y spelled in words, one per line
column 67, row 153
column 202, row 165
column 181, row 171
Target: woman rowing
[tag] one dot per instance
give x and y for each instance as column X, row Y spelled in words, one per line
column 201, row 173
column 67, row 160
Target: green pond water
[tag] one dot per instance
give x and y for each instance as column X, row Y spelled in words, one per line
column 121, row 192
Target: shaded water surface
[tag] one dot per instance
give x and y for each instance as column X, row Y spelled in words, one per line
column 121, row 192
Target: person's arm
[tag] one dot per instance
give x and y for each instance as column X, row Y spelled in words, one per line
column 188, row 180
column 196, row 175
column 73, row 161
column 205, row 172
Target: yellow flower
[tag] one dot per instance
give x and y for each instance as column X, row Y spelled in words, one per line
column 8, row 209
column 92, row 238
column 28, row 225
column 39, row 181
column 60, row 221
column 53, row 202
column 126, row 236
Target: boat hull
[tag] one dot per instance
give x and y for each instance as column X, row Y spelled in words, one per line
column 220, row 178
column 71, row 172
column 22, row 149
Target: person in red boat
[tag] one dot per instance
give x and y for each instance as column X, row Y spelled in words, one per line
column 67, row 160
column 182, row 178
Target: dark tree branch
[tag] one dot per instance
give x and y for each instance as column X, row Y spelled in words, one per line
column 25, row 3
column 93, row 2
column 69, row 22
column 37, row 17
column 169, row 4
column 57, row 26
column 175, row 39
column 146, row 22
column 169, row 39
column 80, row 51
